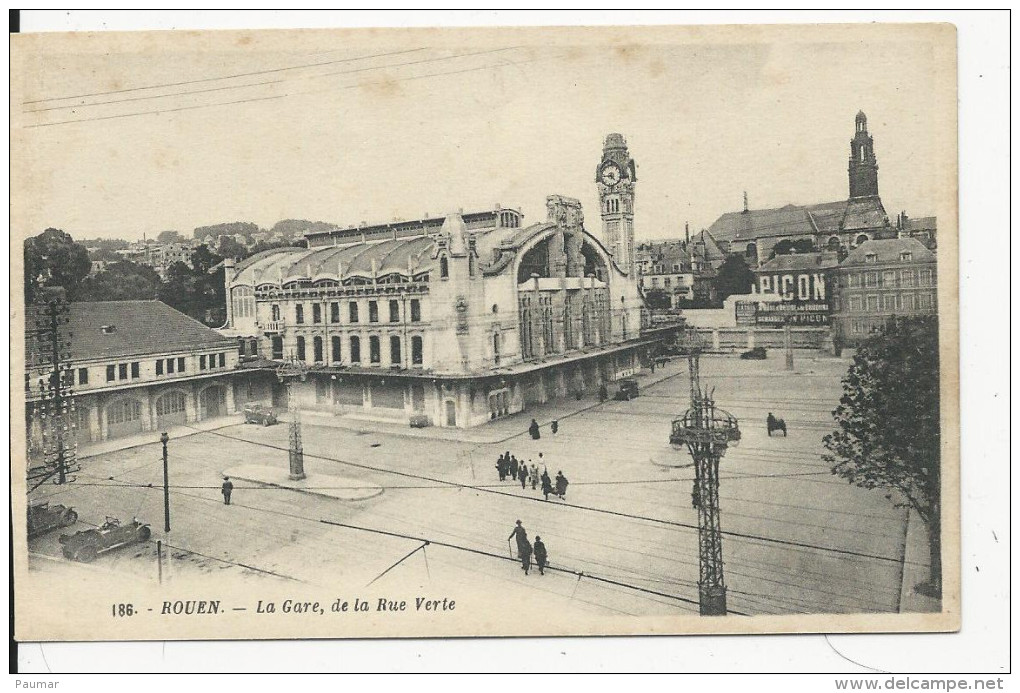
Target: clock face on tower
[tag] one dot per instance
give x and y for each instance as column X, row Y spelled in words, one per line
column 610, row 174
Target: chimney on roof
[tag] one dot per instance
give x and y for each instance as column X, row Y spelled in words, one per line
column 687, row 233
column 745, row 200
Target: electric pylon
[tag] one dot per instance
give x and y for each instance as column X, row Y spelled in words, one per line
column 49, row 355
column 289, row 372
column 706, row 431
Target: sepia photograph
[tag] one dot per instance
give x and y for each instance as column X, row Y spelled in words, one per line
column 368, row 333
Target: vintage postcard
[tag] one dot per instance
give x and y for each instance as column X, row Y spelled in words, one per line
column 368, row 333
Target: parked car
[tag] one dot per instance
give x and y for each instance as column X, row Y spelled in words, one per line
column 757, row 354
column 84, row 546
column 43, row 518
column 628, row 390
column 259, row 414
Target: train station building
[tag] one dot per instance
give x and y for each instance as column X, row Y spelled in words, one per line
column 451, row 321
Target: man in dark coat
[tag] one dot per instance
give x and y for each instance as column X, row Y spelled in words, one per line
column 226, row 490
column 541, row 557
column 513, row 467
column 561, row 485
column 525, row 551
column 546, row 484
column 501, row 467
column 521, row 535
column 533, row 430
column 522, row 475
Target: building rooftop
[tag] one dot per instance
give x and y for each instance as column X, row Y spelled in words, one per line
column 801, row 220
column 888, row 251
column 804, row 262
column 115, row 329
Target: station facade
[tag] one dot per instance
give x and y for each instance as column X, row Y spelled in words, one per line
column 451, row 321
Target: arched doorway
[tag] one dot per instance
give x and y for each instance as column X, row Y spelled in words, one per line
column 451, row 413
column 862, row 239
column 212, row 402
column 123, row 418
column 170, row 410
column 833, row 244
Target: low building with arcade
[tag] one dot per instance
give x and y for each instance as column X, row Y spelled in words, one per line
column 130, row 367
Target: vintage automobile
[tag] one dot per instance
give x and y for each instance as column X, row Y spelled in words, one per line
column 259, row 414
column 43, row 518
column 84, row 546
column 756, row 354
column 628, row 390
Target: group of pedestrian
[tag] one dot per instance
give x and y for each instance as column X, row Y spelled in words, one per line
column 536, row 434
column 509, row 467
column 525, row 550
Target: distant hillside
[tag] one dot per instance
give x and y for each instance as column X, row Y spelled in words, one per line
column 298, row 227
column 245, row 228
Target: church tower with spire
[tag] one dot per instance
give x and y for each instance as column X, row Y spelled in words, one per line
column 863, row 167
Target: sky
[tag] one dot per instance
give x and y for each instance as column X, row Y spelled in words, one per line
column 120, row 135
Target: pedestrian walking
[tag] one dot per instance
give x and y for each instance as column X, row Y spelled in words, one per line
column 525, row 553
column 513, row 467
column 533, row 430
column 561, row 485
column 554, row 427
column 541, row 556
column 546, row 484
column 533, row 476
column 522, row 475
column 226, row 490
column 603, row 393
column 521, row 535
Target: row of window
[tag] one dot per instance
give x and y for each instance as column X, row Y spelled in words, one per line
column 353, row 312
column 353, row 350
column 889, row 278
column 120, row 371
column 666, row 281
column 892, row 302
column 212, row 361
column 176, row 365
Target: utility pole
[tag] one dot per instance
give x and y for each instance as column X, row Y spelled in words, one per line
column 706, row 431
column 788, row 342
column 289, row 372
column 55, row 409
column 164, row 439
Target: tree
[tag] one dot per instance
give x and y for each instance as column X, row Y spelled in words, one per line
column 53, row 259
column 786, row 246
column 888, row 433
column 196, row 291
column 228, row 247
column 298, row 227
column 171, row 237
column 245, row 228
column 733, row 277
column 121, row 281
column 657, row 299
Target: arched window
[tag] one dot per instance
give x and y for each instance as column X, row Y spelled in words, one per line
column 444, row 267
column 317, row 349
column 301, row 348
column 355, row 350
column 335, row 344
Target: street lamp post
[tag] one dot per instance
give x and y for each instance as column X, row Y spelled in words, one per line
column 164, row 439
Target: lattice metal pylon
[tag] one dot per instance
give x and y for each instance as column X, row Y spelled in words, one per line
column 289, row 372
column 55, row 408
column 706, row 431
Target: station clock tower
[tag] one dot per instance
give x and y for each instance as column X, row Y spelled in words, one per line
column 615, row 176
